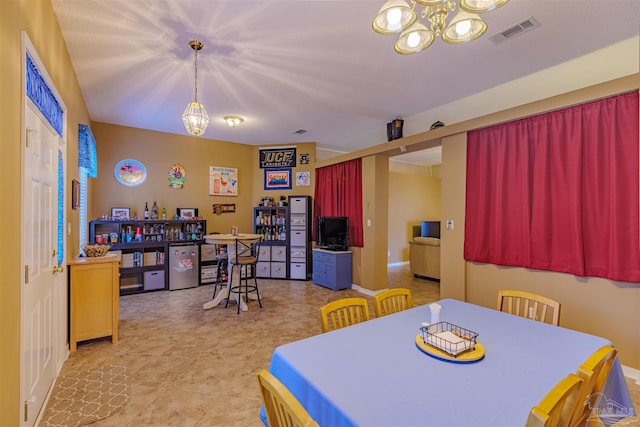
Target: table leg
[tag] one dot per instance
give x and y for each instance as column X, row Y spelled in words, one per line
column 224, row 294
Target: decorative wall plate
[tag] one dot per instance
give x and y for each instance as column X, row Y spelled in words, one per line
column 130, row 172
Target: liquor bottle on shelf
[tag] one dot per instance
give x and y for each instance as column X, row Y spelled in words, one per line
column 154, row 211
column 146, row 210
column 164, row 213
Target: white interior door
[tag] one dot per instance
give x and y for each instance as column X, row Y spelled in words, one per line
column 40, row 239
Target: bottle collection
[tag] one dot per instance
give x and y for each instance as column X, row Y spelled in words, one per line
column 155, row 232
column 272, row 227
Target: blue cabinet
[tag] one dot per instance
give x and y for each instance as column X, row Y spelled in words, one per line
column 332, row 269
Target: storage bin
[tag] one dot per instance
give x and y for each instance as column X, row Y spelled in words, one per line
column 278, row 270
column 298, row 271
column 153, row 280
column 297, row 205
column 298, row 238
column 264, row 253
column 278, row 253
column 263, row 269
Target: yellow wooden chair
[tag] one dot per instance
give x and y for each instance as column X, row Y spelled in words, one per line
column 529, row 305
column 392, row 301
column 282, row 407
column 343, row 312
column 594, row 372
column 557, row 407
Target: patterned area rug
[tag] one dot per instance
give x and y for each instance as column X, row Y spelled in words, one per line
column 87, row 397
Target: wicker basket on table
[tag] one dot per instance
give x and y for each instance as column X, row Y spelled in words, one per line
column 96, row 250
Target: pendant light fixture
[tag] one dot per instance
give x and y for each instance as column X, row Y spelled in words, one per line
column 396, row 16
column 195, row 117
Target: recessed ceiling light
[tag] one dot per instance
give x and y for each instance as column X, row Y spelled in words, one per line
column 233, row 121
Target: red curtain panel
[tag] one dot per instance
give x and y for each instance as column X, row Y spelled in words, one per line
column 338, row 192
column 558, row 191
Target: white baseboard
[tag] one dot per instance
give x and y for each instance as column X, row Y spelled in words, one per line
column 364, row 290
column 397, row 264
column 632, row 373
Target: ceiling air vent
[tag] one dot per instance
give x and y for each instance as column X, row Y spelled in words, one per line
column 299, row 132
column 521, row 27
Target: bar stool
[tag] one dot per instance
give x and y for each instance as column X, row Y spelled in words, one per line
column 246, row 259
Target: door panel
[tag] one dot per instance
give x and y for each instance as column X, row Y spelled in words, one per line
column 40, row 243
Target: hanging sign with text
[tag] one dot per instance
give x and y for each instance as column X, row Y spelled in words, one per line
column 283, row 157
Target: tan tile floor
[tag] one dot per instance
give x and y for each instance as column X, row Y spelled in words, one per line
column 191, row 367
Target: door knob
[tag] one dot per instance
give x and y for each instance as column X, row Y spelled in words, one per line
column 58, row 270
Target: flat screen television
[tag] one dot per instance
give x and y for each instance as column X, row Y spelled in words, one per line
column 430, row 229
column 332, row 232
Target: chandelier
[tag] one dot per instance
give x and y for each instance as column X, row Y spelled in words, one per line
column 195, row 117
column 396, row 16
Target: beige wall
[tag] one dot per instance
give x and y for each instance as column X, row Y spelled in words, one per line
column 412, row 198
column 258, row 179
column 375, row 202
column 452, row 265
column 36, row 17
column 158, row 151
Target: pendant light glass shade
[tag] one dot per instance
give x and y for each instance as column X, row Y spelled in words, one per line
column 418, row 29
column 431, row 2
column 195, row 117
column 463, row 28
column 479, row 6
column 394, row 17
column 414, row 39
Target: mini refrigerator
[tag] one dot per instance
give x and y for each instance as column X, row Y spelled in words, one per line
column 183, row 266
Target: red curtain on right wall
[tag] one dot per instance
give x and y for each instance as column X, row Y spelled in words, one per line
column 558, row 191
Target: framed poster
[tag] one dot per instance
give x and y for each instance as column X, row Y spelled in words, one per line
column 303, row 179
column 121, row 213
column 177, row 176
column 277, row 179
column 187, row 213
column 223, row 181
column 130, row 172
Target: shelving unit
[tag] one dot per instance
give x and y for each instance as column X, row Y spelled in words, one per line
column 145, row 247
column 300, row 237
column 272, row 223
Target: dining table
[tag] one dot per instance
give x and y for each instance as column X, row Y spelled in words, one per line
column 375, row 373
column 230, row 241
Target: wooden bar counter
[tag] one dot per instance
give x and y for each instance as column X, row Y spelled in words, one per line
column 94, row 298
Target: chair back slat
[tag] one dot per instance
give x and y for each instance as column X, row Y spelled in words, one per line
column 280, row 405
column 557, row 407
column 392, row 301
column 594, row 372
column 529, row 305
column 343, row 312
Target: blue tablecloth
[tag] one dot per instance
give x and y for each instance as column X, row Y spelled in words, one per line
column 373, row 374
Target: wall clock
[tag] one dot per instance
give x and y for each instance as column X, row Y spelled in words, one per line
column 130, row 172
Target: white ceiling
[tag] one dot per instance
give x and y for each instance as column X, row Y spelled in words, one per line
column 286, row 65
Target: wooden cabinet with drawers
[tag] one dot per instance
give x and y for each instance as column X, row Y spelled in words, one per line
column 94, row 298
column 332, row 269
